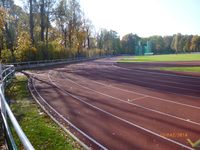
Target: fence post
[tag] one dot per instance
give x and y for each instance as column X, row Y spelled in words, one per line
column 0, row 71
column 2, row 92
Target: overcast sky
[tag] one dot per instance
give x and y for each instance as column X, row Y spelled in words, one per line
column 144, row 17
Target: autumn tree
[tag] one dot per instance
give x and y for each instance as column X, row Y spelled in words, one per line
column 167, row 40
column 24, row 50
column 175, row 45
column 157, row 43
column 68, row 17
column 129, row 43
column 2, row 18
column 187, row 43
column 31, row 19
column 49, row 12
column 62, row 19
column 88, row 28
column 2, row 22
column 195, row 43
column 9, row 33
column 108, row 40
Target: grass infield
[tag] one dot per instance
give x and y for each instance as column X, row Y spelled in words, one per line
column 185, row 69
column 42, row 132
column 160, row 58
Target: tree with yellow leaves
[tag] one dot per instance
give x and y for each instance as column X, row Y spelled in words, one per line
column 2, row 18
column 2, row 22
column 24, row 51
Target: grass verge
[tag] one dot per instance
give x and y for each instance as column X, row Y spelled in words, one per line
column 42, row 132
column 184, row 69
column 160, row 58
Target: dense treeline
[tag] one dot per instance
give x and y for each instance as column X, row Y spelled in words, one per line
column 177, row 43
column 48, row 29
column 51, row 29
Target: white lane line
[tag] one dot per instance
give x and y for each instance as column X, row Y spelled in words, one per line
column 143, row 81
column 157, row 98
column 191, row 96
column 140, row 106
column 135, row 99
column 121, row 119
column 142, row 94
column 139, row 98
column 146, row 95
column 72, row 125
column 163, row 81
column 166, row 74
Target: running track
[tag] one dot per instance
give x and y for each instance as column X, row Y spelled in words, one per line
column 109, row 106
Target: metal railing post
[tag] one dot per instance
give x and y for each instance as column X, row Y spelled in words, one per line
column 3, row 108
column 1, row 77
column 6, row 113
column 2, row 90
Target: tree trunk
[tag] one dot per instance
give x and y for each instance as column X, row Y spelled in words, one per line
column 1, row 44
column 70, row 32
column 10, row 42
column 65, row 38
column 88, row 39
column 31, row 22
column 47, row 35
column 42, row 16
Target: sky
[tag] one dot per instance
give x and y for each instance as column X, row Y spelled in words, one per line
column 144, row 17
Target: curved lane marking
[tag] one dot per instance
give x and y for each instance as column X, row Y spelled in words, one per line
column 72, row 125
column 121, row 119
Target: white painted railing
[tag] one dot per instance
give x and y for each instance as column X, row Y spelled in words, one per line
column 44, row 63
column 6, row 75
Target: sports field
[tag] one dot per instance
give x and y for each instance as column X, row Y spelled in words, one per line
column 172, row 62
column 184, row 69
column 162, row 58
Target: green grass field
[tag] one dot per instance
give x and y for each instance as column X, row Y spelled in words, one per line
column 160, row 58
column 42, row 132
column 185, row 69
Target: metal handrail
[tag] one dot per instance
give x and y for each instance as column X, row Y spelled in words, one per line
column 48, row 61
column 7, row 113
column 42, row 63
column 56, row 60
